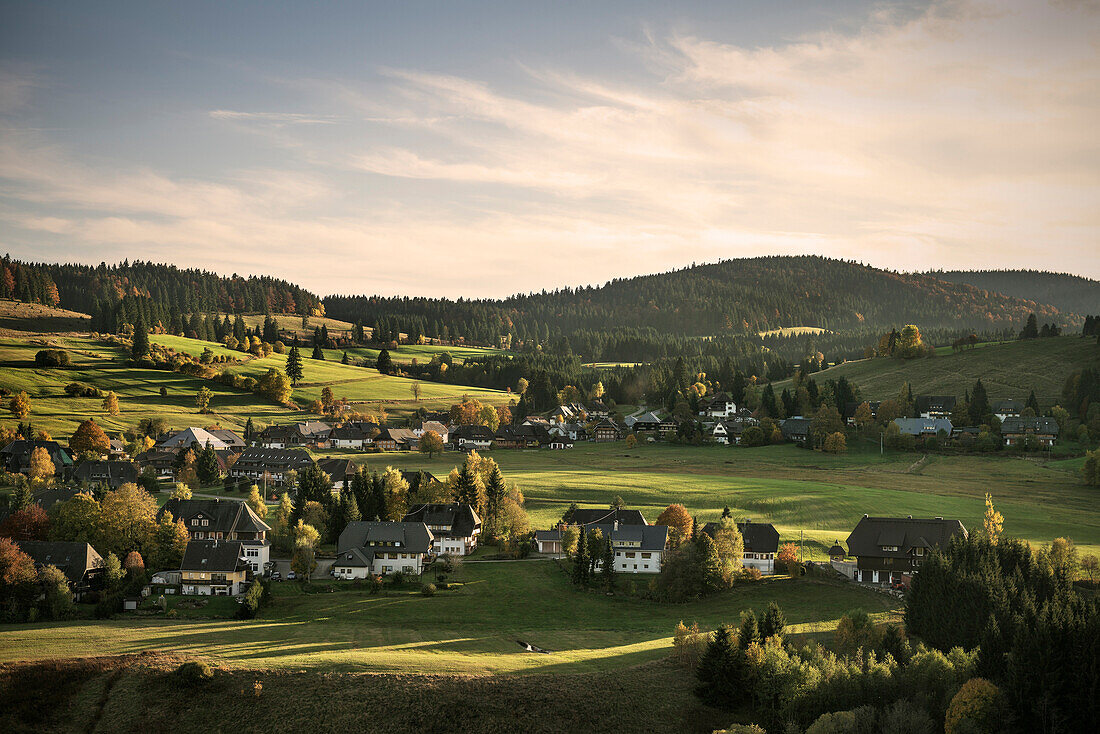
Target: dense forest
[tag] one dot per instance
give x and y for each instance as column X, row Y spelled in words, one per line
column 1067, row 293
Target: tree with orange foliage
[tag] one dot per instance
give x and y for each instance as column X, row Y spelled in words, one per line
column 679, row 522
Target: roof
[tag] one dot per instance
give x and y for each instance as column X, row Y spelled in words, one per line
column 872, row 533
column 19, row 451
column 589, row 516
column 606, row 424
column 795, row 426
column 414, row 537
column 648, row 537
column 225, row 515
column 471, row 433
column 114, row 472
column 49, row 497
column 355, row 557
column 1007, row 406
column 193, row 435
column 337, row 469
column 213, row 555
column 74, row 559
column 837, row 549
column 436, row 426
column 920, row 426
column 759, row 537
column 397, row 435
column 461, row 518
column 938, row 403
column 278, row 458
column 1041, row 424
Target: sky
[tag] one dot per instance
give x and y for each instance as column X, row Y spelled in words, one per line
column 480, row 149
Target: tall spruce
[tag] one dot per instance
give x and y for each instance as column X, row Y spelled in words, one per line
column 294, row 366
column 139, row 349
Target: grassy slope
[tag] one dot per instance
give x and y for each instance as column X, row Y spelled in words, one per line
column 16, row 316
column 820, row 495
column 1009, row 370
column 470, row 630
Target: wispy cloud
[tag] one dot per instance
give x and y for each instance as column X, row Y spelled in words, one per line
column 274, row 118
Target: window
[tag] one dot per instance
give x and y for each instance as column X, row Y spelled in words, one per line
column 889, row 548
column 920, row 551
column 205, row 523
column 630, row 555
column 647, row 555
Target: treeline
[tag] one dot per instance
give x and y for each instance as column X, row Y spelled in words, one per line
column 1068, row 293
column 735, row 297
column 101, row 287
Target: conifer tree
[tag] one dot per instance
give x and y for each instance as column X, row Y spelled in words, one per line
column 749, row 632
column 608, row 570
column 716, row 671
column 773, row 621
column 139, row 349
column 207, row 466
column 317, row 353
column 580, row 563
column 294, row 366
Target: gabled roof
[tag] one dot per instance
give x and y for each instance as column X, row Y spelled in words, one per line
column 1041, row 424
column 47, row 498
column 188, row 436
column 1007, row 406
column 648, row 537
column 461, row 518
column 73, row 559
column 214, row 555
column 276, row 458
column 436, row 426
column 414, row 537
column 597, row 515
column 114, row 472
column 920, row 426
column 795, row 426
column 872, row 533
column 472, row 433
column 337, row 469
column 225, row 515
column 759, row 537
column 18, row 453
column 938, row 403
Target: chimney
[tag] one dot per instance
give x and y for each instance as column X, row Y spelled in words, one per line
column 615, row 525
column 908, row 517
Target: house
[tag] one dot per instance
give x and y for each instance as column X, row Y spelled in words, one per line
column 720, row 406
column 397, row 439
column 305, row 433
column 1015, row 431
column 1005, row 409
column 598, row 410
column 269, row 465
column 340, row 471
column 934, row 406
column 837, row 554
column 728, row 432
column 851, row 407
column 569, row 413
column 795, row 429
column 80, row 562
column 416, row 479
column 889, row 549
column 761, row 543
column 110, row 473
column 558, row 443
column 380, row 548
column 923, row 427
column 16, row 456
column 356, row 436
column 437, row 426
column 521, row 437
column 471, row 437
column 455, row 527
column 218, row 439
column 603, row 516
column 669, row 425
column 605, row 431
column 47, row 498
column 638, row 548
column 214, row 568
column 224, row 519
column 116, row 449
column 572, row 431
column 647, row 421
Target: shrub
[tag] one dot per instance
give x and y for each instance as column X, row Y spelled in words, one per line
column 374, row 584
column 977, row 708
column 194, row 673
column 398, row 579
column 749, row 574
column 253, row 598
column 52, row 358
column 428, row 589
column 81, row 390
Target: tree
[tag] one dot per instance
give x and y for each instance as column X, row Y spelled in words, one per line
column 139, row 348
column 256, row 502
column 76, row 520
column 22, row 496
column 521, row 386
column 607, row 571
column 678, row 520
column 431, row 443
column 207, row 469
column 787, row 557
column 344, row 359
column 112, row 572
column 467, row 486
column 835, row 443
column 29, row 523
column 318, row 354
column 57, row 601
column 20, row 405
column 89, row 438
column 1090, row 564
column 1064, row 559
column 294, row 366
column 717, row 671
column 910, row 343
column 993, row 521
column 978, row 708
column 863, row 415
column 127, row 518
column 979, row 404
column 396, row 491
column 304, row 561
column 384, row 364
column 581, row 563
column 709, row 565
column 41, row 468
column 826, row 421
column 202, row 399
column 18, row 579
column 854, row 631
column 631, row 441
column 1031, row 328
column 134, row 564
column 307, row 535
column 180, row 491
column 416, row 390
column 110, row 403
column 729, row 546
column 275, row 386
column 169, row 542
column 773, row 621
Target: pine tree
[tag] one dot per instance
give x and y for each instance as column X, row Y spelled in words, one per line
column 716, row 671
column 248, row 429
column 344, row 359
column 708, row 564
column 773, row 622
column 294, row 366
column 466, row 488
column 494, row 493
column 1033, row 403
column 608, row 570
column 317, row 353
column 384, row 364
column 139, row 349
column 207, row 466
column 581, row 562
column 749, row 632
column 979, row 403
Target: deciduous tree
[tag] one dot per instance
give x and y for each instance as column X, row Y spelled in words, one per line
column 110, row 403
column 89, row 438
column 20, row 405
column 678, row 520
column 431, row 443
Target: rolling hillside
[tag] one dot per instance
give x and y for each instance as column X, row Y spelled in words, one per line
column 1068, row 293
column 1008, row 370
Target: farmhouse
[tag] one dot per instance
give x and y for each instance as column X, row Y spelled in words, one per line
column 795, row 429
column 556, row 443
column 269, row 465
column 606, row 430
column 934, row 406
column 80, row 562
column 224, row 519
column 213, row 568
column 353, row 436
column 217, row 438
column 396, row 439
column 437, row 426
column 572, row 431
column 305, row 433
column 923, row 427
column 455, row 527
column 472, row 437
column 1005, row 409
column 603, row 516
column 720, row 406
column 340, row 471
column 379, row 548
column 163, row 463
column 47, row 498
column 890, row 549
column 16, row 456
column 1015, row 431
column 110, row 473
column 638, row 548
column 761, row 543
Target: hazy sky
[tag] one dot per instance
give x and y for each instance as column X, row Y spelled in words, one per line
column 462, row 148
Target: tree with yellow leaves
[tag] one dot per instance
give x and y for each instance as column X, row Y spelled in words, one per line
column 110, row 403
column 994, row 521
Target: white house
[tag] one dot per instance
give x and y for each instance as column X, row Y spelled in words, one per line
column 213, row 568
column 638, row 548
column 720, row 406
column 382, row 548
column 761, row 543
column 455, row 527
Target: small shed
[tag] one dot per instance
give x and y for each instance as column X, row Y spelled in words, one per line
column 837, row 552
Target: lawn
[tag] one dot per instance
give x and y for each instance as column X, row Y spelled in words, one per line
column 469, row 630
column 1008, row 370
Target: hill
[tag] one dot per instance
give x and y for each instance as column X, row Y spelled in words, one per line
column 1008, row 370
column 1067, row 293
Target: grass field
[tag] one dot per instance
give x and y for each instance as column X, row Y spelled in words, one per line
column 472, row 629
column 821, row 496
column 36, row 318
column 1009, row 370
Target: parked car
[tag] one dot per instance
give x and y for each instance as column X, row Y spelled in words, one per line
column 276, row 576
column 290, row 576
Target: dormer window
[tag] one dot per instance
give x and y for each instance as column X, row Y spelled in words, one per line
column 920, row 551
column 890, row 548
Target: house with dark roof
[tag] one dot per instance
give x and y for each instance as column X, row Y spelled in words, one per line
column 795, row 429
column 1005, row 409
column 110, row 473
column 269, row 465
column 339, row 470
column 889, row 549
column 559, row 442
column 455, row 527
column 761, row 543
column 214, row 568
column 380, row 548
column 1015, row 431
column 606, row 431
column 47, row 498
column 646, row 421
column 16, row 456
column 80, row 562
column 603, row 516
column 471, row 437
column 934, row 406
column 305, row 433
column 217, row 438
column 598, row 409
column 720, row 406
column 638, row 548
column 224, row 519
column 163, row 463
column 924, row 427
column 357, row 435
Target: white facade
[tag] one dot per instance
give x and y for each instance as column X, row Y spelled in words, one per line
column 382, row 565
column 257, row 554
column 763, row 562
column 347, row 443
column 635, row 561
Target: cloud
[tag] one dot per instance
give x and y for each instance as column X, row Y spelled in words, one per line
column 275, row 118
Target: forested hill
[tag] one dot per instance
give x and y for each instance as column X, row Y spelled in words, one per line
column 726, row 298
column 151, row 288
column 1068, row 293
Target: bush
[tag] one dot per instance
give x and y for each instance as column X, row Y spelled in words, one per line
column 428, row 589
column 253, row 599
column 108, row 605
column 398, row 579
column 194, row 673
column 52, row 358
column 977, row 708
column 81, row 390
column 374, row 584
